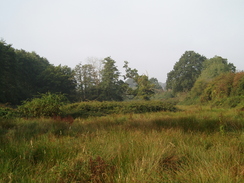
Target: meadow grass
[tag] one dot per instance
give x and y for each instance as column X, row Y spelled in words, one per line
column 196, row 144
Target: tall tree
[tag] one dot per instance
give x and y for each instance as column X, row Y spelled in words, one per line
column 216, row 66
column 154, row 81
column 30, row 68
column 25, row 74
column 8, row 74
column 87, row 78
column 144, row 87
column 211, row 68
column 185, row 72
column 59, row 79
column 111, row 85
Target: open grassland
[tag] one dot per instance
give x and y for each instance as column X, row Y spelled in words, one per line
column 196, row 144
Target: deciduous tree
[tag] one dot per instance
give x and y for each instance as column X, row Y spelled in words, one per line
column 211, row 68
column 185, row 72
column 111, row 85
column 87, row 78
column 144, row 87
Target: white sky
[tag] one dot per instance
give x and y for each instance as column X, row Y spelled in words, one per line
column 150, row 34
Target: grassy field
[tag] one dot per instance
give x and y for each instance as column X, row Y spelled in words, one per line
column 195, row 144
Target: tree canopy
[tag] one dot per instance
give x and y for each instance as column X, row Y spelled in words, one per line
column 111, row 84
column 144, row 87
column 212, row 68
column 185, row 72
column 26, row 74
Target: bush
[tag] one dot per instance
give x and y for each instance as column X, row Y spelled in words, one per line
column 226, row 90
column 47, row 105
column 218, row 88
column 86, row 109
column 7, row 112
column 238, row 84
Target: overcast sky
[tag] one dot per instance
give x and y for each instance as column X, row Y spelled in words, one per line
column 150, row 34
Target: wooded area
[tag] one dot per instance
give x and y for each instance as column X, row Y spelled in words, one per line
column 24, row 75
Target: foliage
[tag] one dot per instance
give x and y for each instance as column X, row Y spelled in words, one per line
column 47, row 105
column 238, row 84
column 215, row 66
column 220, row 87
column 30, row 67
column 8, row 77
column 156, row 84
column 88, row 79
column 225, row 90
column 25, row 74
column 145, row 87
column 185, row 72
column 111, row 86
column 212, row 68
column 58, row 79
column 87, row 109
column 7, row 112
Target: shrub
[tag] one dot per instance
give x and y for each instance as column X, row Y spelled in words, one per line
column 219, row 88
column 225, row 90
column 86, row 109
column 47, row 105
column 238, row 84
column 7, row 112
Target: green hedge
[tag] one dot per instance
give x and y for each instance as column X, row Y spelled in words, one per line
column 86, row 109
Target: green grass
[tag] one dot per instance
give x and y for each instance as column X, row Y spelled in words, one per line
column 196, row 144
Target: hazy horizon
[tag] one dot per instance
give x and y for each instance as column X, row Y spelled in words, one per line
column 150, row 35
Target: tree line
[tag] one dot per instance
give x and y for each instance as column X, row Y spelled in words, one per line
column 23, row 75
column 195, row 70
column 212, row 81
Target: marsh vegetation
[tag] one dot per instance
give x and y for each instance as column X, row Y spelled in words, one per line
column 194, row 144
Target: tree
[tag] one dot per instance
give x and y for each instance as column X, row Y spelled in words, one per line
column 30, row 69
column 154, row 81
column 129, row 73
column 59, row 79
column 87, row 77
column 185, row 72
column 112, row 88
column 144, row 87
column 8, row 74
column 211, row 69
column 216, row 66
column 25, row 74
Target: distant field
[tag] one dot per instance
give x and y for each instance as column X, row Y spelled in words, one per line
column 195, row 144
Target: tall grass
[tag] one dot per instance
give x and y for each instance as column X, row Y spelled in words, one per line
column 192, row 145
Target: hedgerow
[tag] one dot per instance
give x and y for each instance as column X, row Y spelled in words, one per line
column 95, row 108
